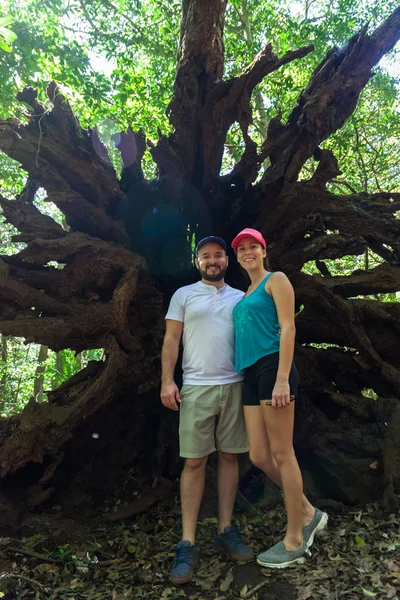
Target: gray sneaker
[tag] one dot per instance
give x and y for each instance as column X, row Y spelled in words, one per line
column 317, row 524
column 231, row 543
column 278, row 557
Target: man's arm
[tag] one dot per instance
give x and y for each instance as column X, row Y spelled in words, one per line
column 169, row 355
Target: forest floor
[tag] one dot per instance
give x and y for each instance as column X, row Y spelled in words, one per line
column 77, row 556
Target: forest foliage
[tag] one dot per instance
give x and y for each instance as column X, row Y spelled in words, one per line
column 115, row 60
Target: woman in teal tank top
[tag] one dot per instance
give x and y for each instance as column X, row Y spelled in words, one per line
column 264, row 347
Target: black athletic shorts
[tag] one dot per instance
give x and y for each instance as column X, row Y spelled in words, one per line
column 259, row 380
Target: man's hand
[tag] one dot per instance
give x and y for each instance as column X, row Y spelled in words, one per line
column 169, row 353
column 170, row 395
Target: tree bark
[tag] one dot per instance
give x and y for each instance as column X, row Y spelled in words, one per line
column 129, row 240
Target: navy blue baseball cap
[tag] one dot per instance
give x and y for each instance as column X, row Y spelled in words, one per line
column 211, row 239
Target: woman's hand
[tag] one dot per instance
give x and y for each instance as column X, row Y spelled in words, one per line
column 281, row 394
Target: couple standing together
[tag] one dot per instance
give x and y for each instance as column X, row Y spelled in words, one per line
column 238, row 375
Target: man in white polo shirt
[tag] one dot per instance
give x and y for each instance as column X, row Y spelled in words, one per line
column 211, row 413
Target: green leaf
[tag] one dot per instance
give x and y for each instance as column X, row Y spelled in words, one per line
column 368, row 593
column 8, row 35
column 226, row 583
column 210, row 521
column 360, row 542
column 4, row 46
column 4, row 21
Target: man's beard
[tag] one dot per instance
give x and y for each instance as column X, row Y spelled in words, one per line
column 213, row 276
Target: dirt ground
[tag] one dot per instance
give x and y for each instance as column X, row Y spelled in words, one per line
column 55, row 555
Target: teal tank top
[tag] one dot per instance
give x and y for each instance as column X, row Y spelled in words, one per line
column 256, row 327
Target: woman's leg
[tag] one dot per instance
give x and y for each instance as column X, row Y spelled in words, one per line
column 279, row 425
column 259, row 447
column 262, row 457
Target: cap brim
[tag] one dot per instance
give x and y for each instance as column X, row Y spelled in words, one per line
column 241, row 237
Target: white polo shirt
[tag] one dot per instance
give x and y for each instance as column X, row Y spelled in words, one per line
column 208, row 335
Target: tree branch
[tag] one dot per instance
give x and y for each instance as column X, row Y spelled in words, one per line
column 362, row 220
column 236, row 107
column 29, row 220
column 352, row 323
column 382, row 279
column 74, row 311
column 203, row 106
column 71, row 163
column 327, row 102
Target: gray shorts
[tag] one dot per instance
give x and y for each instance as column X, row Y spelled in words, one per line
column 211, row 418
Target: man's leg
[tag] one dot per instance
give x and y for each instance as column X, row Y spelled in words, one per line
column 228, row 478
column 196, row 441
column 192, row 488
column 231, row 439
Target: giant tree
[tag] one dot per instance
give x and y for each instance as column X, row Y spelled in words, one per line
column 102, row 280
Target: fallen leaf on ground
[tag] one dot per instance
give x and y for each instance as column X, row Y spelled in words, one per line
column 368, row 593
column 305, row 593
column 225, row 585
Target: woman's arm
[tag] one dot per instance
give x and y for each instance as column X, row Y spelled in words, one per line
column 282, row 292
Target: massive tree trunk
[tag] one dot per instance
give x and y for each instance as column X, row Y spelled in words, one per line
column 128, row 245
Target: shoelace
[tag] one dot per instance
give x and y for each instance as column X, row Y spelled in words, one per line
column 183, row 555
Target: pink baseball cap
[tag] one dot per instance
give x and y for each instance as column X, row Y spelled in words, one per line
column 248, row 232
